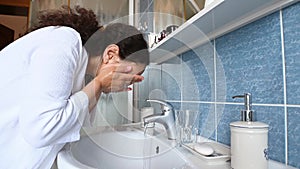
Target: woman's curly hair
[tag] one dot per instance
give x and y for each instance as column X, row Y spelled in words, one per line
column 84, row 21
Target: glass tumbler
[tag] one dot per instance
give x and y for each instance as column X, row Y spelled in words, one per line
column 187, row 121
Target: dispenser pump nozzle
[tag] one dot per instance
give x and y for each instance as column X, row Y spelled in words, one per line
column 247, row 113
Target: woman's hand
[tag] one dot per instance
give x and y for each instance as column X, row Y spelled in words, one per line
column 116, row 77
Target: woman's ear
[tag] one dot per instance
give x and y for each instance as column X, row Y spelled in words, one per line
column 111, row 54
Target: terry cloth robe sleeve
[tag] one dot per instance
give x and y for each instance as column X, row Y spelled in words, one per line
column 53, row 111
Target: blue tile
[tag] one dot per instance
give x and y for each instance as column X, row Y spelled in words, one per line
column 171, row 82
column 199, row 63
column 294, row 137
column 252, row 61
column 206, row 124
column 291, row 24
column 230, row 114
column 274, row 117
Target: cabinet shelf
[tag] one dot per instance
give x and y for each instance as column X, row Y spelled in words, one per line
column 216, row 19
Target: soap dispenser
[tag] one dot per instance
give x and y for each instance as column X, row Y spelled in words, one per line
column 249, row 140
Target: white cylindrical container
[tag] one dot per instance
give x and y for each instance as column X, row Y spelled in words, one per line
column 249, row 145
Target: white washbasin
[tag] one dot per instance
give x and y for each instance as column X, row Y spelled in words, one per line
column 125, row 147
column 128, row 148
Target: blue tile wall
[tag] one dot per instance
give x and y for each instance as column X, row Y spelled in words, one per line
column 231, row 113
column 206, row 121
column 245, row 53
column 171, row 85
column 274, row 117
column 200, row 58
column 251, row 60
column 291, row 25
column 293, row 136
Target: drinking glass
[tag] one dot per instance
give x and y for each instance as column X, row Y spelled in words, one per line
column 187, row 121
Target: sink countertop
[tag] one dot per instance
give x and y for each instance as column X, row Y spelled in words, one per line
column 196, row 161
column 226, row 165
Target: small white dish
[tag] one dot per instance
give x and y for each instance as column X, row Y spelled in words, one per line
column 220, row 155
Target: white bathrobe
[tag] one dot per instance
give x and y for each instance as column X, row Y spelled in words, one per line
column 41, row 105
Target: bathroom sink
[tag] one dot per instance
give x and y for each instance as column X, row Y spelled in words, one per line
column 127, row 147
column 123, row 147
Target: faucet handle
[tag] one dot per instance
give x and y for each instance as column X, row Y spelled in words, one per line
column 165, row 106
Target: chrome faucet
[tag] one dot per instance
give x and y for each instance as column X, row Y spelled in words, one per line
column 166, row 118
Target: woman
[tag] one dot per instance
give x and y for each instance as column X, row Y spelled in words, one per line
column 44, row 101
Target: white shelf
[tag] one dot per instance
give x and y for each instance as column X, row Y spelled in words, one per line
column 216, row 19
